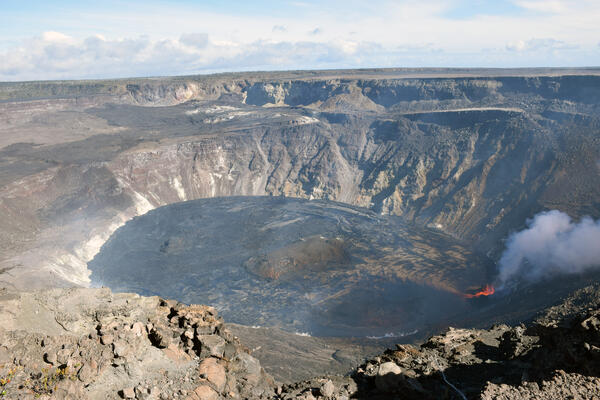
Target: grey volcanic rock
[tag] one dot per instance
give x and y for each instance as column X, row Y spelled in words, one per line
column 294, row 263
column 552, row 362
column 472, row 153
column 290, row 357
column 468, row 152
column 92, row 344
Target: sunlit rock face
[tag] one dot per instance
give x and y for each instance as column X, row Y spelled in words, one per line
column 311, row 266
column 470, row 154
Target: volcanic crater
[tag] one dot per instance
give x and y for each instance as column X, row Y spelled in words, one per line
column 303, row 265
column 340, row 203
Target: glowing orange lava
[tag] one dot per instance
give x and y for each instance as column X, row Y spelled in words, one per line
column 487, row 291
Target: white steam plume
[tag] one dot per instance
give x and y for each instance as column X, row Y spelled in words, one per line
column 553, row 243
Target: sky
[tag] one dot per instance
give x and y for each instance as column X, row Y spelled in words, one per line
column 81, row 39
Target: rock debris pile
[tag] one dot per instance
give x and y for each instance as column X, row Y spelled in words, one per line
column 557, row 357
column 121, row 346
column 91, row 343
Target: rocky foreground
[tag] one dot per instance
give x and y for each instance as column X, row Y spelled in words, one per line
column 91, row 343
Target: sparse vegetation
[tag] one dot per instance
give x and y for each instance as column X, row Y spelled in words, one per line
column 6, row 379
column 46, row 381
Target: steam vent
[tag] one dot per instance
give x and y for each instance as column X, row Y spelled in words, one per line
column 370, row 234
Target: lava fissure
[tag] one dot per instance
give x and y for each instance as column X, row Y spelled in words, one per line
column 488, row 290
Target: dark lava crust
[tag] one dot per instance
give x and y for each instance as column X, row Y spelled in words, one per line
column 311, row 266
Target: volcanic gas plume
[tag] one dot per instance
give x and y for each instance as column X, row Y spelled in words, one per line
column 553, row 243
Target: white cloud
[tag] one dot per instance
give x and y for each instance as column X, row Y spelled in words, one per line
column 546, row 6
column 56, row 56
column 411, row 33
column 95, row 56
column 546, row 44
column 518, row 45
column 57, row 37
column 197, row 40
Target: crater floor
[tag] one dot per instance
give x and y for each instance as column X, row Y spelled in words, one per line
column 317, row 267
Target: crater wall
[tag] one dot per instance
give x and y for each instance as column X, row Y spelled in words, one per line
column 471, row 155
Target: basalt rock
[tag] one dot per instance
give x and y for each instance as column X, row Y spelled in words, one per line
column 540, row 360
column 121, row 346
column 54, row 345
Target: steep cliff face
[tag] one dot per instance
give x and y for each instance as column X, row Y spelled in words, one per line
column 387, row 88
column 472, row 156
column 473, row 174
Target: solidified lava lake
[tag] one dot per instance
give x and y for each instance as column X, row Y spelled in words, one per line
column 315, row 266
